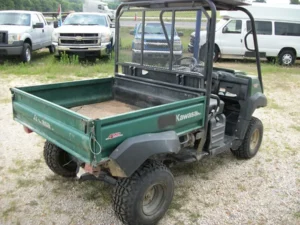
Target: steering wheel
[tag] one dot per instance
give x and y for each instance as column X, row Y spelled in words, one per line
column 191, row 66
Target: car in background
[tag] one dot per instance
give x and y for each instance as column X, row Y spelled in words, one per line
column 22, row 32
column 88, row 35
column 278, row 34
column 156, row 48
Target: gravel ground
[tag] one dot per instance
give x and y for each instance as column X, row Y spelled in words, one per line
column 220, row 190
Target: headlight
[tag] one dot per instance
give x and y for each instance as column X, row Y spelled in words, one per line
column 137, row 44
column 177, row 46
column 55, row 36
column 105, row 37
column 13, row 37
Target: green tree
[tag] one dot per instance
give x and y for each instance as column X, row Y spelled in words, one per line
column 295, row 2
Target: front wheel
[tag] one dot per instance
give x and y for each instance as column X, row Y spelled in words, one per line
column 252, row 140
column 59, row 161
column 144, row 197
column 51, row 49
column 26, row 53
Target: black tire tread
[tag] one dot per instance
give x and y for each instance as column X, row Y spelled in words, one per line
column 242, row 152
column 51, row 153
column 122, row 203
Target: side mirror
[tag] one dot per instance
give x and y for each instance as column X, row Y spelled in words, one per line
column 38, row 25
column 132, row 32
column 180, row 34
column 112, row 25
column 55, row 24
column 225, row 29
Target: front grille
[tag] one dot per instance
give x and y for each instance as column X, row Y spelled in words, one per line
column 79, row 39
column 157, row 45
column 78, row 35
column 3, row 37
column 83, row 42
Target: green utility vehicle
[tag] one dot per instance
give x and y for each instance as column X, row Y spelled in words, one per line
column 128, row 129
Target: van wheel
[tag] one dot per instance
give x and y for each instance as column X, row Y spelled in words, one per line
column 26, row 53
column 144, row 197
column 286, row 58
column 252, row 140
column 59, row 161
column 51, row 49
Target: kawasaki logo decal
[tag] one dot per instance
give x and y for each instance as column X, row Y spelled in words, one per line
column 180, row 117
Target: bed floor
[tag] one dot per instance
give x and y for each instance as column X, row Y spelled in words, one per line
column 104, row 109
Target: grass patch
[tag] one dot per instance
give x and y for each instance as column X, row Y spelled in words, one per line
column 295, row 127
column 24, row 183
column 297, row 215
column 12, row 209
column 45, row 66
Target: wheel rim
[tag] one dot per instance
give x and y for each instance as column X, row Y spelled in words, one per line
column 28, row 55
column 153, row 199
column 254, row 140
column 287, row 59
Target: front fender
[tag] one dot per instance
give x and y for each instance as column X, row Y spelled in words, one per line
column 133, row 152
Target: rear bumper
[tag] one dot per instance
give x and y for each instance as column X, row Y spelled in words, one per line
column 9, row 50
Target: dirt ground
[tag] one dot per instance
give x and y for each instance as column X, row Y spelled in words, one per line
column 220, row 190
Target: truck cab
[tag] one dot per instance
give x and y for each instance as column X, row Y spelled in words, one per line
column 22, row 32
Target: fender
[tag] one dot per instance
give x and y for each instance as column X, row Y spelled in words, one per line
column 133, row 152
column 247, row 109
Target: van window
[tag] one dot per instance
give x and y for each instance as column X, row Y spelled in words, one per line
column 288, row 29
column 233, row 27
column 262, row 27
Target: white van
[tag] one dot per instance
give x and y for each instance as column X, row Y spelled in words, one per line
column 278, row 32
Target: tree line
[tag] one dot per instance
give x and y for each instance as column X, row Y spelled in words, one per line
column 41, row 5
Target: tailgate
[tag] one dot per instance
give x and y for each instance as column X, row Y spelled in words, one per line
column 64, row 128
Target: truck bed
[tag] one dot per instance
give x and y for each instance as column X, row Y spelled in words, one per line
column 104, row 109
column 90, row 118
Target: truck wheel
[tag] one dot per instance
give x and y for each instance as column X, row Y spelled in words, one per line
column 144, row 197
column 252, row 140
column 286, row 57
column 26, row 53
column 51, row 49
column 203, row 53
column 59, row 161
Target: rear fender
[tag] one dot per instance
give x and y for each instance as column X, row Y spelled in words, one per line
column 133, row 152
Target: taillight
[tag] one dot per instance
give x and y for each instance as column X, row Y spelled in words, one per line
column 27, row 130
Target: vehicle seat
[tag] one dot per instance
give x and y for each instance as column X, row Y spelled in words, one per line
column 213, row 104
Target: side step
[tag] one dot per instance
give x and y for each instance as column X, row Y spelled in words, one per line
column 189, row 155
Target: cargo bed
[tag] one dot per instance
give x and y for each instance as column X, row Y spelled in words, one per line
column 89, row 119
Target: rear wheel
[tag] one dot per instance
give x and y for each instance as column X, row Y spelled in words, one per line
column 144, row 197
column 286, row 57
column 252, row 140
column 59, row 161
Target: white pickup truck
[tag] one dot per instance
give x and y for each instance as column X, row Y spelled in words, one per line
column 22, row 32
column 88, row 35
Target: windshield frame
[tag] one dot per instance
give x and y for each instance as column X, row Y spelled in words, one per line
column 19, row 14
